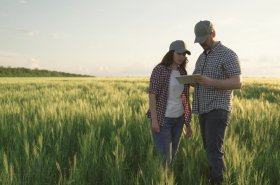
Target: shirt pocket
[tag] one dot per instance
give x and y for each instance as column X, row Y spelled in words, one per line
column 217, row 71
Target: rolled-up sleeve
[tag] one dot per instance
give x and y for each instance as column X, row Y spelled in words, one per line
column 155, row 81
column 232, row 65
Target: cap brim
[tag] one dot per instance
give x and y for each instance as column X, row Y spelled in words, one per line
column 184, row 51
column 201, row 39
column 188, row 52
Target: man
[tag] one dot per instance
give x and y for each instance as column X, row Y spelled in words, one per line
column 220, row 74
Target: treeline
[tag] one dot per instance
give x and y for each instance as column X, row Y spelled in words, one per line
column 25, row 72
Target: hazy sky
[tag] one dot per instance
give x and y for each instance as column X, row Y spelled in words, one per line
column 128, row 37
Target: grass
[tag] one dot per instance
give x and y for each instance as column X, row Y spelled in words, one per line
column 94, row 131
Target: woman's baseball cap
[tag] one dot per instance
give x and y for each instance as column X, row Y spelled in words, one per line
column 179, row 47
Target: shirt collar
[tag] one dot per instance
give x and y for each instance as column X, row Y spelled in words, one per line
column 208, row 51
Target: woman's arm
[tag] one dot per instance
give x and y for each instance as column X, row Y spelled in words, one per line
column 153, row 108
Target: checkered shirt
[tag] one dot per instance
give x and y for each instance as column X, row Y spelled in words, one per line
column 217, row 63
column 159, row 84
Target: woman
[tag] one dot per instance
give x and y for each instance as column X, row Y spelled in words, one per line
column 169, row 102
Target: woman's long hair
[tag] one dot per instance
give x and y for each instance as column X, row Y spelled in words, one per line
column 167, row 60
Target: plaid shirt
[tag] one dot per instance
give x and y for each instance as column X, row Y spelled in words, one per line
column 159, row 84
column 217, row 63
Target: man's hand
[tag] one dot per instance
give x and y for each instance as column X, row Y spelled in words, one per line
column 155, row 126
column 204, row 81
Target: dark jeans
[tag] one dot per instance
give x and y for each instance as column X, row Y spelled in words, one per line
column 168, row 139
column 213, row 126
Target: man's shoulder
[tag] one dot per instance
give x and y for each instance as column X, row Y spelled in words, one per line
column 201, row 56
column 226, row 50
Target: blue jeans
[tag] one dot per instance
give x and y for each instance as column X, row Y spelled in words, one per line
column 168, row 139
column 213, row 126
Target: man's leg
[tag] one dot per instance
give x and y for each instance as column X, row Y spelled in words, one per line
column 215, row 126
column 202, row 129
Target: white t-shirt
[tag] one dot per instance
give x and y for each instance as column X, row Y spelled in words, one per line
column 174, row 108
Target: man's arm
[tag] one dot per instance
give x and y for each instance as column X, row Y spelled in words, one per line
column 234, row 82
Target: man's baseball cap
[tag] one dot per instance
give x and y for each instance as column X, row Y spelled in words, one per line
column 179, row 47
column 202, row 31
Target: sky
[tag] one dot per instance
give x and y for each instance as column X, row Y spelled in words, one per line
column 129, row 38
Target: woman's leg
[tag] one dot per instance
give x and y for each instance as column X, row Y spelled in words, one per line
column 177, row 128
column 162, row 141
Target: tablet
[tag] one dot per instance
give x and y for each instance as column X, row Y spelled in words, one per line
column 187, row 79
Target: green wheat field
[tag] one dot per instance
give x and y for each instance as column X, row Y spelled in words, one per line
column 80, row 131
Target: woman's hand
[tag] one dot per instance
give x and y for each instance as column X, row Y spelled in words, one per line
column 192, row 84
column 155, row 126
column 188, row 132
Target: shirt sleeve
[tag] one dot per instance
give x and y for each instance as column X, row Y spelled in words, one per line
column 186, row 103
column 155, row 81
column 196, row 69
column 232, row 65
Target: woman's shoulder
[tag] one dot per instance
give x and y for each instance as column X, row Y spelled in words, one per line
column 160, row 66
column 160, row 71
